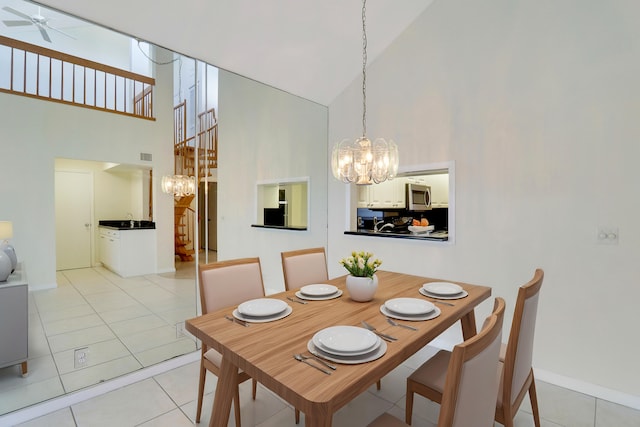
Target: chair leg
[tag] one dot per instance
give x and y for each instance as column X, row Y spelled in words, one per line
column 254, row 386
column 297, row 416
column 378, row 385
column 533, row 397
column 203, row 377
column 236, row 406
column 408, row 414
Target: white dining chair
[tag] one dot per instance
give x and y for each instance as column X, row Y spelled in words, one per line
column 470, row 383
column 516, row 362
column 304, row 267
column 223, row 284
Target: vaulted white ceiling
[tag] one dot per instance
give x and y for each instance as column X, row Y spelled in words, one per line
column 310, row 48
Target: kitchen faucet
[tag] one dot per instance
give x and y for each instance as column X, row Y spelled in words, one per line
column 376, row 223
column 130, row 218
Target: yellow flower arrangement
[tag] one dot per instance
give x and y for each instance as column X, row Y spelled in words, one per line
column 361, row 264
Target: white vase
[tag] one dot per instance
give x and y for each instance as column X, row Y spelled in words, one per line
column 11, row 253
column 362, row 289
column 5, row 266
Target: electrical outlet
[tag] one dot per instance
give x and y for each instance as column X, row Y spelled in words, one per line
column 80, row 357
column 608, row 235
column 180, row 331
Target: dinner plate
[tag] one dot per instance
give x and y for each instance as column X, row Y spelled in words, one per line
column 318, row 290
column 377, row 353
column 442, row 288
column 263, row 319
column 415, row 318
column 410, row 306
column 426, row 293
column 320, row 298
column 349, row 353
column 262, row 307
column 345, row 339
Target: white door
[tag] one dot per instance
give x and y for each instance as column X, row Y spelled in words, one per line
column 74, row 199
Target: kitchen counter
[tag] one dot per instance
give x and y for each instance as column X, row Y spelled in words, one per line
column 125, row 224
column 279, row 227
column 440, row 235
column 128, row 251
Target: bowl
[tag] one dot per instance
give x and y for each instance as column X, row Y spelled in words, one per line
column 417, row 229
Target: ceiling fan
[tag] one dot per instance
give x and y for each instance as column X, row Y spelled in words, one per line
column 37, row 19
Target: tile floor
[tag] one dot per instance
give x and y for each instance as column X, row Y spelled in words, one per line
column 169, row 399
column 123, row 324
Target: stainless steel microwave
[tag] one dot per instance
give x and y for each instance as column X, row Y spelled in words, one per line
column 418, row 197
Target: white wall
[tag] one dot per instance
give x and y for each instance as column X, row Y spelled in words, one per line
column 35, row 133
column 536, row 102
column 266, row 134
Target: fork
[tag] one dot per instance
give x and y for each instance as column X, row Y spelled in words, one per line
column 380, row 334
column 296, row 300
column 394, row 323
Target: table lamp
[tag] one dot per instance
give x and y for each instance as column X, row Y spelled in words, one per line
column 8, row 258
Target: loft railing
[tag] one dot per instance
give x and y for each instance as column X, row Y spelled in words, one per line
column 38, row 72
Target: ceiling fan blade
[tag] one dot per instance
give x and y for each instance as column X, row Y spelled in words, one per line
column 17, row 12
column 44, row 34
column 60, row 31
column 16, row 23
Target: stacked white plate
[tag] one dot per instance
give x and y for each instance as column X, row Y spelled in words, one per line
column 347, row 344
column 443, row 290
column 262, row 310
column 318, row 292
column 415, row 309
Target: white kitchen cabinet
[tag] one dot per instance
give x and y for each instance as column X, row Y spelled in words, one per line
column 439, row 184
column 109, row 248
column 128, row 252
column 386, row 195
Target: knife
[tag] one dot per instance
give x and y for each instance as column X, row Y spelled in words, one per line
column 238, row 321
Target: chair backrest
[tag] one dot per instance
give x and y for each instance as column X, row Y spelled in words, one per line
column 304, row 267
column 231, row 282
column 471, row 386
column 519, row 354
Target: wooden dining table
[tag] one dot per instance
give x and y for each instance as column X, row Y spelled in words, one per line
column 265, row 350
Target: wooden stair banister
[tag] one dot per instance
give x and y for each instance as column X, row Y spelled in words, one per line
column 185, row 163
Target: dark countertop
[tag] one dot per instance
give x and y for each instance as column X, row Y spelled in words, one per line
column 441, row 236
column 279, row 227
column 125, row 224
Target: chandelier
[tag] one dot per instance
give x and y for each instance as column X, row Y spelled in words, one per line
column 179, row 185
column 361, row 161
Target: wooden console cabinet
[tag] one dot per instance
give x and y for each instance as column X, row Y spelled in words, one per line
column 14, row 320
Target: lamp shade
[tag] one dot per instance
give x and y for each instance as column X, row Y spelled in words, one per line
column 6, row 229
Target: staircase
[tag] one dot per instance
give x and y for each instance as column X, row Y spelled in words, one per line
column 186, row 164
column 183, row 227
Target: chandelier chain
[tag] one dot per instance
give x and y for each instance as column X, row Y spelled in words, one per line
column 364, row 69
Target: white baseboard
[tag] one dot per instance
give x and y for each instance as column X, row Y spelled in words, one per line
column 57, row 403
column 42, row 287
column 589, row 389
